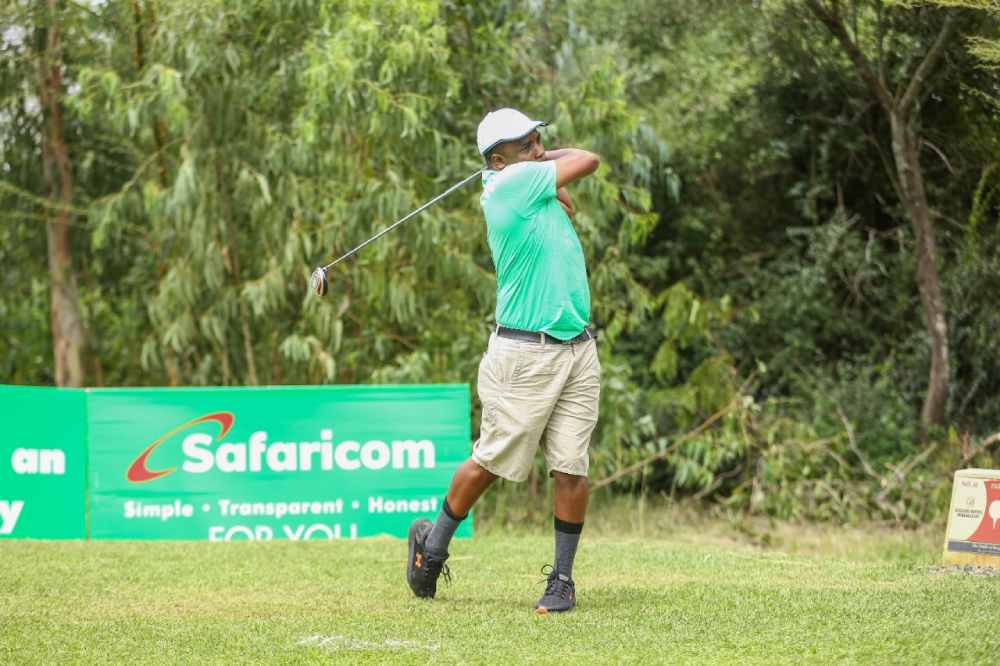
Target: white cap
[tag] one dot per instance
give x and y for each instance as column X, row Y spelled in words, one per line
column 504, row 125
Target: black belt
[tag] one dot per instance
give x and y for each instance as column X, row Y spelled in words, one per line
column 545, row 338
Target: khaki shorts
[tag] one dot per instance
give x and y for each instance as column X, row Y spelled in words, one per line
column 537, row 393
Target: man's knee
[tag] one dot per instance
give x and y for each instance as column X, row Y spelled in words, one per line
column 476, row 468
column 569, row 481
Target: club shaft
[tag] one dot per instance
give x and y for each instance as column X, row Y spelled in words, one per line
column 404, row 219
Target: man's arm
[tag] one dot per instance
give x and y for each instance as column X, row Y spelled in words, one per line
column 572, row 164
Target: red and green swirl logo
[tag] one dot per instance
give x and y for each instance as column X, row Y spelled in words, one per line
column 138, row 472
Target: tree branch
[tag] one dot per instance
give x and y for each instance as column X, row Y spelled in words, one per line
column 853, row 444
column 632, row 469
column 835, row 24
column 927, row 65
column 987, row 443
column 940, row 153
column 705, row 425
column 880, row 27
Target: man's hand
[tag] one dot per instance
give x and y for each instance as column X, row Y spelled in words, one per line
column 563, row 196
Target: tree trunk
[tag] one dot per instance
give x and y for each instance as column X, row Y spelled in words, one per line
column 906, row 151
column 231, row 256
column 66, row 322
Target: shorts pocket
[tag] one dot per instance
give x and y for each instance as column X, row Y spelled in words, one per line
column 500, row 365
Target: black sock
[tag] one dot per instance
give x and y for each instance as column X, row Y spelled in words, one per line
column 567, row 539
column 440, row 535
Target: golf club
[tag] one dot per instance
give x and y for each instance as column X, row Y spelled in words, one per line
column 318, row 281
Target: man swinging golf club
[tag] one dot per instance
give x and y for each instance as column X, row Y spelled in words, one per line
column 539, row 381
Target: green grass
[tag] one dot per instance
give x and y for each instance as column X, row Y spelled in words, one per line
column 648, row 592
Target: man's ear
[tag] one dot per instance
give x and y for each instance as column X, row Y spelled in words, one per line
column 497, row 162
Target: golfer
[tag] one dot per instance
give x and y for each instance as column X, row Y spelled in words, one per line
column 539, row 381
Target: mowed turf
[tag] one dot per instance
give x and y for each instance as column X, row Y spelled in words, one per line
column 652, row 600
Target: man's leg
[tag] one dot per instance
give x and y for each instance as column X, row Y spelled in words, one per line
column 518, row 385
column 468, row 484
column 572, row 492
column 514, row 415
column 567, row 441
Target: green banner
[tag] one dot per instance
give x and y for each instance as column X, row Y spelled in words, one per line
column 295, row 463
column 43, row 463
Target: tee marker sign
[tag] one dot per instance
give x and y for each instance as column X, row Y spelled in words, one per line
column 973, row 534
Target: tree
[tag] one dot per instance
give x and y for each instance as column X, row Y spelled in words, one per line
column 67, row 324
column 901, row 105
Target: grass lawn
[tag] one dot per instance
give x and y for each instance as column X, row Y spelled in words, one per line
column 649, row 592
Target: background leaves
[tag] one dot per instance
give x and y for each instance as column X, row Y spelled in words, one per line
column 746, row 247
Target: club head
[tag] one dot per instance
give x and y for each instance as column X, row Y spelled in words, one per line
column 318, row 282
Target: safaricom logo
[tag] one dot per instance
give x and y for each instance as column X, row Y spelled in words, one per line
column 258, row 454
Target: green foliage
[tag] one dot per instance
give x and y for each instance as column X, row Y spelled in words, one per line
column 750, row 265
column 985, row 48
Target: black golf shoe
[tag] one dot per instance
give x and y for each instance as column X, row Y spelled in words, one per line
column 559, row 596
column 423, row 570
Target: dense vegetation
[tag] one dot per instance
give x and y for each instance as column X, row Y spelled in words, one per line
column 791, row 240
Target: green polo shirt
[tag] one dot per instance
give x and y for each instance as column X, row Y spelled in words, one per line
column 541, row 272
